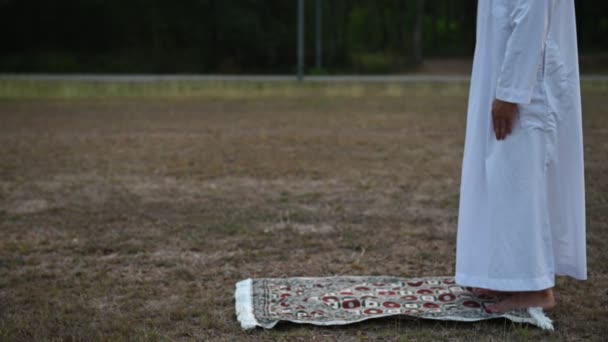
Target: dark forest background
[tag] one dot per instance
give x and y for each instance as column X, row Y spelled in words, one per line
column 247, row 36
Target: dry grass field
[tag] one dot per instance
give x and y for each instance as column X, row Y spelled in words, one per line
column 128, row 212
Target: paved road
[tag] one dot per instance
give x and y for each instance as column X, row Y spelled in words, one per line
column 251, row 78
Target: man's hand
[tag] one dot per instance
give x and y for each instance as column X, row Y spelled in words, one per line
column 503, row 116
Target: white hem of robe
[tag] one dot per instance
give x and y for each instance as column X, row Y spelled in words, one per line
column 502, row 284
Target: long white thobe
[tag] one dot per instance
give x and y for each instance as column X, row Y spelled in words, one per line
column 522, row 201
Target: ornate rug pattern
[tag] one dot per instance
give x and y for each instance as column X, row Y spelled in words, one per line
column 348, row 299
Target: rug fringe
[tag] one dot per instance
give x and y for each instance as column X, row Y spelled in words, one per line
column 244, row 304
column 541, row 319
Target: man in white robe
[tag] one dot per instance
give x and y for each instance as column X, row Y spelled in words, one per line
column 522, row 201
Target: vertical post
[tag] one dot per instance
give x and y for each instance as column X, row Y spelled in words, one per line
column 419, row 24
column 300, row 40
column 319, row 36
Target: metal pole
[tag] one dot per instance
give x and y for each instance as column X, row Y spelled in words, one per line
column 319, row 37
column 300, row 40
column 418, row 43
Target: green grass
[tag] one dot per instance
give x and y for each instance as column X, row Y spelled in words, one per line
column 27, row 89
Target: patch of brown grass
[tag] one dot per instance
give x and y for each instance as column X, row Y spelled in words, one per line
column 133, row 219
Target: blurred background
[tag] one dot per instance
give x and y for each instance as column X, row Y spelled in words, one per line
column 257, row 36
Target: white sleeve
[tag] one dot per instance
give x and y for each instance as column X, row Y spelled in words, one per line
column 524, row 52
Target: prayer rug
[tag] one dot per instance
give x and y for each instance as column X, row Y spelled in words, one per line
column 348, row 299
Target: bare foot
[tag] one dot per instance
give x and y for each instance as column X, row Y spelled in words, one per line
column 495, row 293
column 526, row 299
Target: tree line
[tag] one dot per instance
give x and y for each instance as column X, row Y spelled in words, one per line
column 245, row 36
